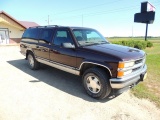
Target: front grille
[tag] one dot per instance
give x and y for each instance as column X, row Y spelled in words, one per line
column 136, row 69
column 139, row 64
column 138, row 61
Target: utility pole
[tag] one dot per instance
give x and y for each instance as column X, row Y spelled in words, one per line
column 48, row 20
column 82, row 20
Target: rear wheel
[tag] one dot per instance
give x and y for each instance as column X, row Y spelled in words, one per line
column 33, row 63
column 96, row 83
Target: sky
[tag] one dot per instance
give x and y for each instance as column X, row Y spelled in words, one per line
column 109, row 17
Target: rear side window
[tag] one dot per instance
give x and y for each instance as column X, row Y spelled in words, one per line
column 46, row 35
column 61, row 33
column 30, row 33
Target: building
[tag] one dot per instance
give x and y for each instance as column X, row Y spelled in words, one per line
column 11, row 30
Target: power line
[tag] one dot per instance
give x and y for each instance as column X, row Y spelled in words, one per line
column 103, row 4
column 112, row 11
column 102, row 12
column 108, row 3
column 126, row 9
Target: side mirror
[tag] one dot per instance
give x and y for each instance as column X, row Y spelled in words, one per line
column 68, row 45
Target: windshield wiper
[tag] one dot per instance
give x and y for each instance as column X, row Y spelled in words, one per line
column 103, row 42
column 87, row 43
column 92, row 43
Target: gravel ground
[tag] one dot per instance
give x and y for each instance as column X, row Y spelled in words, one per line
column 51, row 94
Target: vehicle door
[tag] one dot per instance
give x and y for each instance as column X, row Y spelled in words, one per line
column 61, row 54
column 44, row 43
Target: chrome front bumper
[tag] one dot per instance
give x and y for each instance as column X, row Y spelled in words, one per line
column 130, row 80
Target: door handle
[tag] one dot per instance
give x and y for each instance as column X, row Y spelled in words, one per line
column 54, row 51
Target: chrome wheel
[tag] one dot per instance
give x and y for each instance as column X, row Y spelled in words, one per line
column 93, row 84
column 96, row 83
column 31, row 60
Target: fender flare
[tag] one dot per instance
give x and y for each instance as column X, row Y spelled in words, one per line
column 30, row 49
column 95, row 64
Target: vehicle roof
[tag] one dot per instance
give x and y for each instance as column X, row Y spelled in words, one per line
column 58, row 26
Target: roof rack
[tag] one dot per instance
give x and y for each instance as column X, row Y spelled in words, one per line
column 52, row 26
column 45, row 26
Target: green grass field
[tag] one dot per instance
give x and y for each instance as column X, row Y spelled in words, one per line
column 154, row 39
column 150, row 88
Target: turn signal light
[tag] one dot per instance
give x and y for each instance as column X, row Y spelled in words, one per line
column 120, row 74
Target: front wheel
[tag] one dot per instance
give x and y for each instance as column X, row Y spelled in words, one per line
column 96, row 83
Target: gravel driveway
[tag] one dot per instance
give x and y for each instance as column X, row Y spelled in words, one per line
column 51, row 94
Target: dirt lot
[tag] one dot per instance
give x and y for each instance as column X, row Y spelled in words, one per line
column 50, row 94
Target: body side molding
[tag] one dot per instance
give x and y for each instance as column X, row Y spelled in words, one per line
column 59, row 66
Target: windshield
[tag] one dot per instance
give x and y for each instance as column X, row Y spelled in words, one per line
column 88, row 37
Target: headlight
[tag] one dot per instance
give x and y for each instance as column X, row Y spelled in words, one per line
column 125, row 64
column 121, row 68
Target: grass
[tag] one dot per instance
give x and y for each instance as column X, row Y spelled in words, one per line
column 149, row 88
column 154, row 39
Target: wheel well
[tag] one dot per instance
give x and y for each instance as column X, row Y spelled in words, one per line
column 27, row 52
column 89, row 65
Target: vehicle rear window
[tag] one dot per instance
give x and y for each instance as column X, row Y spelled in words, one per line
column 30, row 33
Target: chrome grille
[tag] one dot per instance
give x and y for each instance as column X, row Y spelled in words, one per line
column 136, row 69
column 138, row 61
column 139, row 64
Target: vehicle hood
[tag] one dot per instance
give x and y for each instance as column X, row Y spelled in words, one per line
column 122, row 52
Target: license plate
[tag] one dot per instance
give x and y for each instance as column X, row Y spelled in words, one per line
column 145, row 76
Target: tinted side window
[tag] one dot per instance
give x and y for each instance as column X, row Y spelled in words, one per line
column 46, row 35
column 62, row 36
column 30, row 33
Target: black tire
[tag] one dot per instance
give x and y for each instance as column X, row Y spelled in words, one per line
column 96, row 83
column 33, row 63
